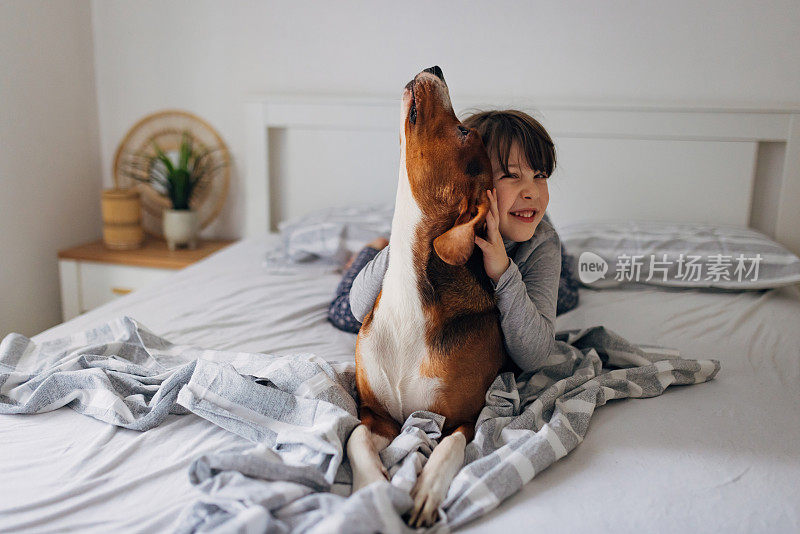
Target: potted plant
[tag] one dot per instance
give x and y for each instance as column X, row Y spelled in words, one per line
column 179, row 177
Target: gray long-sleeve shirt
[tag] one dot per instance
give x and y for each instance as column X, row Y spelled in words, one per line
column 527, row 293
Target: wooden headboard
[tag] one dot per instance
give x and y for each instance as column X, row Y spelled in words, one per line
column 727, row 166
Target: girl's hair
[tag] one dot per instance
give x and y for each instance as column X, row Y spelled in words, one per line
column 500, row 129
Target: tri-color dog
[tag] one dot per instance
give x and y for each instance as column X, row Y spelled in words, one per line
column 432, row 340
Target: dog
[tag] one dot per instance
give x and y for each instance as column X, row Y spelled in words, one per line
column 432, row 340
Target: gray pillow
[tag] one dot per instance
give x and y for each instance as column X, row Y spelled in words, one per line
column 333, row 234
column 614, row 254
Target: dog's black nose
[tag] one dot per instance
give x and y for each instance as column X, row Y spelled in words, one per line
column 436, row 71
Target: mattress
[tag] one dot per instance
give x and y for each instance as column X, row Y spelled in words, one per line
column 720, row 456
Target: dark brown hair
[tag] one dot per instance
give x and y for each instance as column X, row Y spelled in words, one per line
column 500, row 129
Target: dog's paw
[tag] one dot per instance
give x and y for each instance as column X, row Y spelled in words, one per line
column 362, row 479
column 373, row 472
column 428, row 494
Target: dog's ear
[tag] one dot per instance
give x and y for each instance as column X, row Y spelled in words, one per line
column 455, row 246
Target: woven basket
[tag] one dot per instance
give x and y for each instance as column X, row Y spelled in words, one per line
column 122, row 215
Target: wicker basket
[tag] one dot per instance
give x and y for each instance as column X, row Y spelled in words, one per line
column 122, row 215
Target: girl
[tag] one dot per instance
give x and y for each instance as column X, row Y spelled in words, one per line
column 522, row 253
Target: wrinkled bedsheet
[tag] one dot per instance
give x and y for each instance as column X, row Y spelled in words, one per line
column 296, row 411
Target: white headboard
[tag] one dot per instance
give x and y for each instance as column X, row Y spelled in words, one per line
column 726, row 166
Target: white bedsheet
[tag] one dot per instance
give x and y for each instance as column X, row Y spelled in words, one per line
column 721, row 456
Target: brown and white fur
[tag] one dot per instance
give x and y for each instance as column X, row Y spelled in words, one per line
column 432, row 340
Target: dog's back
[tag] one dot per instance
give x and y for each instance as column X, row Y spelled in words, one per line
column 463, row 337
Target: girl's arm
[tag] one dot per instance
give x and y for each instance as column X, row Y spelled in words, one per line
column 527, row 297
column 368, row 284
column 339, row 313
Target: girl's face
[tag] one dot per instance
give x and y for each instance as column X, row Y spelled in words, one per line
column 522, row 196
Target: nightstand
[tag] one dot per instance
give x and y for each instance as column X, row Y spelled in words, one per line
column 92, row 275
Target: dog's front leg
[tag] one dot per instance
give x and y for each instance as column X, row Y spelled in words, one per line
column 431, row 488
column 364, row 445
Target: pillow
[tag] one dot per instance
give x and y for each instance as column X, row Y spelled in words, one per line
column 613, row 254
column 332, row 234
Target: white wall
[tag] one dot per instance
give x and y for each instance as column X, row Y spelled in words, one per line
column 49, row 154
column 206, row 56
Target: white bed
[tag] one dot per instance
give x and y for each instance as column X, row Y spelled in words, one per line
column 733, row 467
column 720, row 456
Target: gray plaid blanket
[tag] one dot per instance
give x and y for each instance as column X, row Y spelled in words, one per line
column 296, row 413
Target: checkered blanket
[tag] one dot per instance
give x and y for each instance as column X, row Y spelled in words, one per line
column 296, row 412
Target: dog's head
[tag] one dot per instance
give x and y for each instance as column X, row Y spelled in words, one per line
column 447, row 166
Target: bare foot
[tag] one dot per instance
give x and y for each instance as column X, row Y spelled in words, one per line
column 379, row 243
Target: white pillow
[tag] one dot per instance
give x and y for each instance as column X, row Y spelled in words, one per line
column 612, row 254
column 333, row 234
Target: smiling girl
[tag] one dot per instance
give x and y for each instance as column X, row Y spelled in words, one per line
column 521, row 252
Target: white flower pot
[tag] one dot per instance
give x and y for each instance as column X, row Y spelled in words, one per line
column 180, row 228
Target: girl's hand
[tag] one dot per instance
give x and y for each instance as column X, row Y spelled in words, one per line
column 495, row 259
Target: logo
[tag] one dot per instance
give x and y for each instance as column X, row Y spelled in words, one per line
column 591, row 267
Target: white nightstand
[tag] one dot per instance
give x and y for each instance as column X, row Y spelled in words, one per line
column 92, row 275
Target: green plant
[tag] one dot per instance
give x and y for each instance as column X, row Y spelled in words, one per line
column 177, row 180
